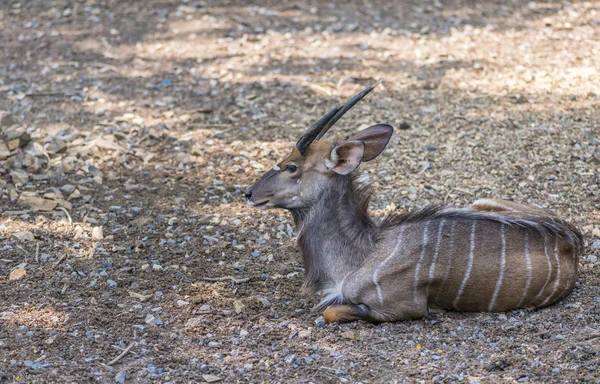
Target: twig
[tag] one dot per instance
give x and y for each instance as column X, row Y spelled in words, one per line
column 226, row 278
column 60, row 259
column 37, row 253
column 125, row 351
column 66, row 213
column 592, row 336
column 44, row 94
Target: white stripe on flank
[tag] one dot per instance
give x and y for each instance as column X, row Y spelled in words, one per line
column 376, row 272
column 502, row 267
column 549, row 271
column 435, row 254
column 450, row 254
column 528, row 262
column 418, row 268
column 557, row 278
column 469, row 266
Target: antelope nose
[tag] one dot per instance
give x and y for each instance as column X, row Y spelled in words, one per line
column 248, row 194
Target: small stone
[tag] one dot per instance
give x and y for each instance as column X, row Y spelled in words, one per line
column 17, row 274
column 120, row 377
column 304, row 333
column 153, row 320
column 111, row 283
column 320, row 322
column 194, row 322
column 502, row 317
column 596, row 232
column 350, row 335
column 97, row 234
column 596, row 244
column 37, row 203
column 592, row 258
column 211, row 378
column 289, row 358
column 68, row 188
column 182, row 303
column 239, row 306
column 7, row 119
column 23, row 236
column 19, row 177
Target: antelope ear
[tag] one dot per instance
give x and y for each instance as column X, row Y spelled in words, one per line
column 375, row 139
column 346, row 157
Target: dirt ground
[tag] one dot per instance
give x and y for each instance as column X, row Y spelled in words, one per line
column 154, row 116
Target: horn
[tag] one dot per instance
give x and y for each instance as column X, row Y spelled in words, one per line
column 322, row 126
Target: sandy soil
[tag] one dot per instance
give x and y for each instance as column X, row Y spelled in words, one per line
column 156, row 115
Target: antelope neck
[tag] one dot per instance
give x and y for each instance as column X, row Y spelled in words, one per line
column 335, row 233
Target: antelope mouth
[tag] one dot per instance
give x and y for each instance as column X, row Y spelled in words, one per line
column 260, row 205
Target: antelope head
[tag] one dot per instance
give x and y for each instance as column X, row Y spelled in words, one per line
column 298, row 180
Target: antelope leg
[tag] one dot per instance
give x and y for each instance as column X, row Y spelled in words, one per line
column 350, row 312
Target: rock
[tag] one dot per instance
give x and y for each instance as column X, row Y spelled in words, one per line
column 37, row 203
column 24, row 236
column 596, row 232
column 592, row 258
column 68, row 188
column 239, row 306
column 139, row 296
column 17, row 274
column 36, row 364
column 304, row 333
column 19, row 177
column 153, row 320
column 194, row 322
column 182, row 303
column 320, row 322
column 120, row 377
column 350, row 335
column 6, row 119
column 211, row 378
column 97, row 234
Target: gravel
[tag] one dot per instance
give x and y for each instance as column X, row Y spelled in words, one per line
column 129, row 133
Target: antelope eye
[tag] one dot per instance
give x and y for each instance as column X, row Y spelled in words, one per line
column 291, row 168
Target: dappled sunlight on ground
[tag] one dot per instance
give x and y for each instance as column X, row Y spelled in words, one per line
column 157, row 115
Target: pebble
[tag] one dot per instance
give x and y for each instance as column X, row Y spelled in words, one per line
column 211, row 378
column 592, row 258
column 120, row 377
column 320, row 322
column 24, row 236
column 182, row 303
column 97, row 234
column 153, row 320
column 17, row 274
column 596, row 244
column 111, row 283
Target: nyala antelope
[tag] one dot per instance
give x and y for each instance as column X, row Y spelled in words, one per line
column 492, row 256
